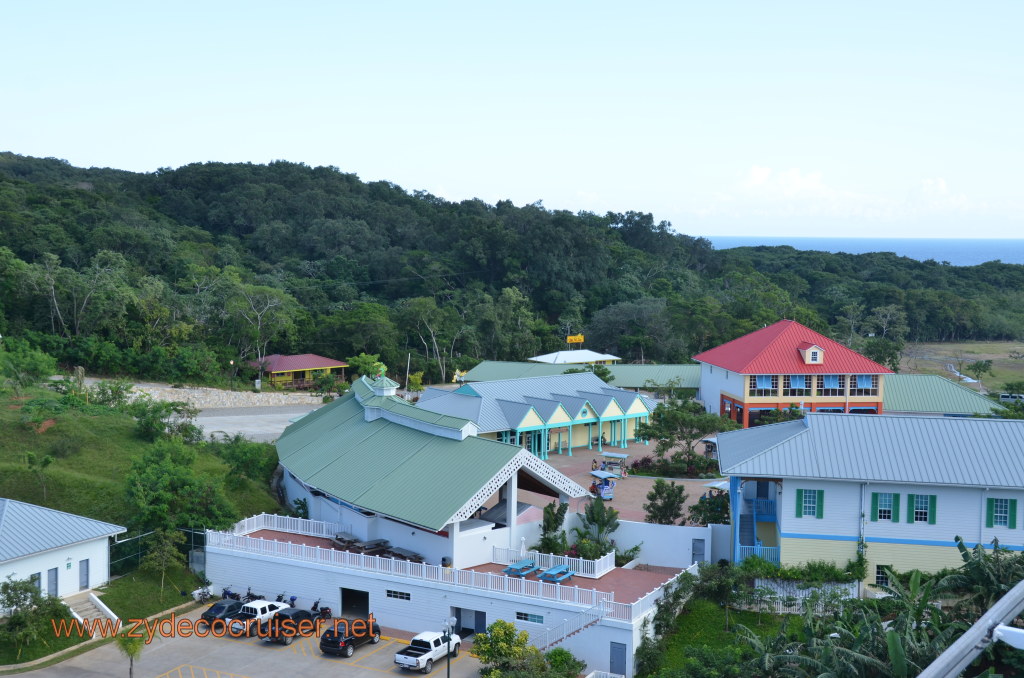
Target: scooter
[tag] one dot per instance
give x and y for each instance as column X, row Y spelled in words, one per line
column 280, row 598
column 315, row 607
column 292, row 599
column 326, row 613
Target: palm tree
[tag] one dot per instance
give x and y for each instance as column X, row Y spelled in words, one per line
column 131, row 647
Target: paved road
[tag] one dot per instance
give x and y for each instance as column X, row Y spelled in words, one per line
column 262, row 424
column 179, row 657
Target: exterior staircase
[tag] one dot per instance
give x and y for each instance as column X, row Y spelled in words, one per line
column 747, row 530
column 83, row 607
column 570, row 627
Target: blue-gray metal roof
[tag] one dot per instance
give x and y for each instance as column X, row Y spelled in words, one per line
column 881, row 448
column 26, row 529
column 482, row 401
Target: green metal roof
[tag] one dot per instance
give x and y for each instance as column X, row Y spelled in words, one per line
column 384, row 467
column 932, row 394
column 626, row 376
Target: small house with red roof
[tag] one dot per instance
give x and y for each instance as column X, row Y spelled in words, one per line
column 298, row 371
column 788, row 364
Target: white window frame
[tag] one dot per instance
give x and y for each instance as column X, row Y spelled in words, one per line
column 921, row 502
column 810, row 500
column 881, row 576
column 1000, row 512
column 886, row 498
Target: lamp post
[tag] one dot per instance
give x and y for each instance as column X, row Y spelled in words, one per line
column 232, row 363
column 449, row 626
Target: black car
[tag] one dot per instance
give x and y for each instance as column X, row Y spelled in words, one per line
column 343, row 636
column 288, row 624
column 223, row 609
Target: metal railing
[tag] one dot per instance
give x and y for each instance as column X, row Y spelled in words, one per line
column 592, row 569
column 402, row 568
column 769, row 553
column 556, row 634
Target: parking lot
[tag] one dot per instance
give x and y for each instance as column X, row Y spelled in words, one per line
column 180, row 657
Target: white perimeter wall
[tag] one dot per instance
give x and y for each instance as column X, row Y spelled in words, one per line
column 428, row 603
column 96, row 551
column 666, row 545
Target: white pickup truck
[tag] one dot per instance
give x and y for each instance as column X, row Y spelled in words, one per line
column 425, row 649
column 250, row 619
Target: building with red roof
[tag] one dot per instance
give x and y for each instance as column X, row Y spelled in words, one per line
column 788, row 364
column 298, row 371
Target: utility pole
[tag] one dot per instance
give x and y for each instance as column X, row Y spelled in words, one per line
column 408, row 362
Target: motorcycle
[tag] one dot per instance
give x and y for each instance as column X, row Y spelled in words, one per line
column 280, row 598
column 228, row 593
column 250, row 596
column 315, row 607
column 326, row 612
column 292, row 599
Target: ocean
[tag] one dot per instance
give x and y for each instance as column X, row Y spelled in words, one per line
column 957, row 251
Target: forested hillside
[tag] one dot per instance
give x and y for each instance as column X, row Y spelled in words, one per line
column 170, row 275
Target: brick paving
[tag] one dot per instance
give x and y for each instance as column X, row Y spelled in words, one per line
column 630, row 493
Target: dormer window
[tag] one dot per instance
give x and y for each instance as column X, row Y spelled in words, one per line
column 811, row 353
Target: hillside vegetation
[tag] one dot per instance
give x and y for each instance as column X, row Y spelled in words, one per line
column 171, row 274
column 93, row 452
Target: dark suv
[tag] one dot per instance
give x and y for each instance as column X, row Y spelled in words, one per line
column 343, row 636
column 288, row 624
column 222, row 609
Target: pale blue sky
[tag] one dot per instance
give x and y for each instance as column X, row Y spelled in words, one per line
column 788, row 118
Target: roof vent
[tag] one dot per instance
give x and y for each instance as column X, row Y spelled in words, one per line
column 384, row 386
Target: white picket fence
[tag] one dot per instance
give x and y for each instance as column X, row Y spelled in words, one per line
column 593, row 569
column 402, row 568
column 790, row 597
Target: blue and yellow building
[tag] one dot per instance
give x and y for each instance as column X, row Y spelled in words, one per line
column 557, row 413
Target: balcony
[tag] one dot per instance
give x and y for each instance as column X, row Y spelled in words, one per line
column 763, row 510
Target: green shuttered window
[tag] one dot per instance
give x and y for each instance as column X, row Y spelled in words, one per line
column 1001, row 512
column 921, row 508
column 810, row 503
column 885, row 506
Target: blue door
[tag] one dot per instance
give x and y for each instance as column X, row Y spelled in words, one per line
column 481, row 623
column 617, row 661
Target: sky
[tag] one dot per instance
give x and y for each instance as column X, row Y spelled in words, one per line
column 873, row 119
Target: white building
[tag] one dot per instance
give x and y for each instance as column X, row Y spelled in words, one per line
column 904, row 486
column 61, row 552
column 375, row 467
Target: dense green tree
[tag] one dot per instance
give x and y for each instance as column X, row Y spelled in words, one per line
column 678, row 424
column 164, row 491
column 664, row 503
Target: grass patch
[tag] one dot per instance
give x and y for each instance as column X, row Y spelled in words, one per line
column 703, row 623
column 137, row 595
column 45, row 645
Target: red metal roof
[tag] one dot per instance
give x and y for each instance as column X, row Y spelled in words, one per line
column 776, row 350
column 293, row 363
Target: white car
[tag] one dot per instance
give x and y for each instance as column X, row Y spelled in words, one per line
column 252, row 616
